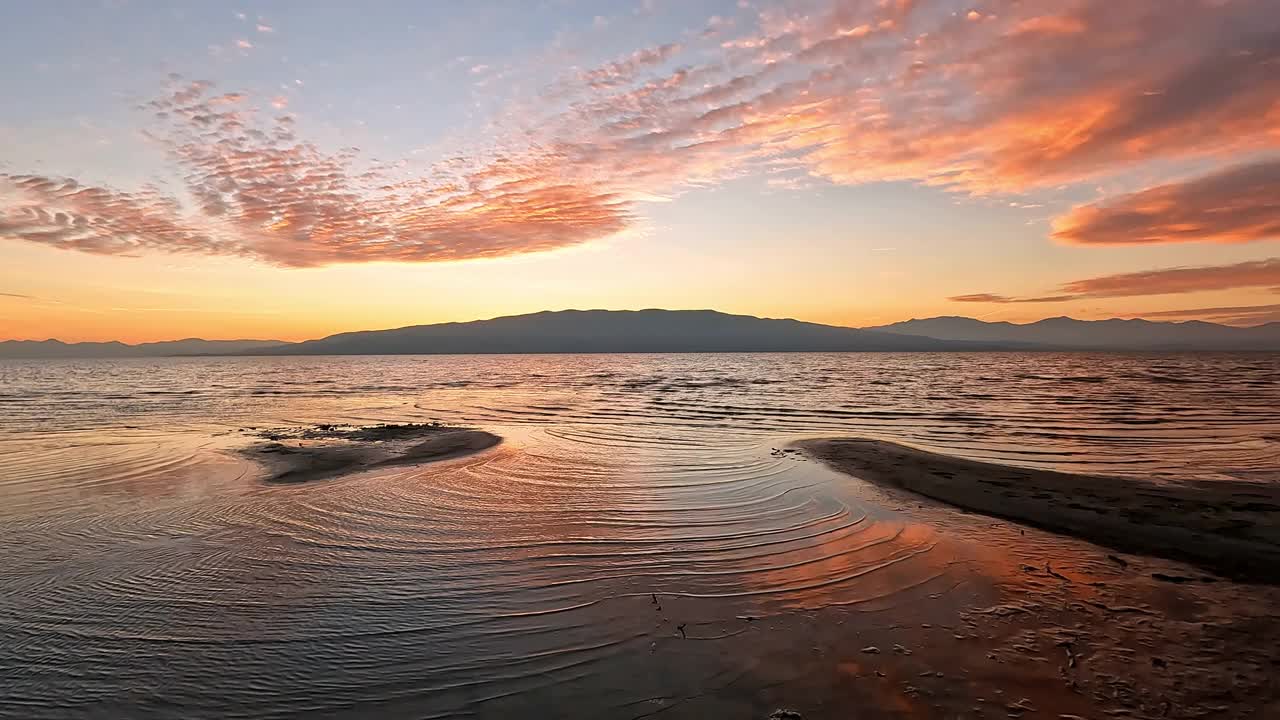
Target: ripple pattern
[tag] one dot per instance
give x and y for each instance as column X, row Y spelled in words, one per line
column 627, row 544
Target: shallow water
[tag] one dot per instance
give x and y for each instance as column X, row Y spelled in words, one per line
column 150, row 573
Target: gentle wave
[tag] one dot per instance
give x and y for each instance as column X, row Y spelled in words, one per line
column 636, row 503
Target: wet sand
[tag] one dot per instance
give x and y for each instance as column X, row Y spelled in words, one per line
column 1008, row 622
column 298, row 455
column 1228, row 528
column 1056, row 626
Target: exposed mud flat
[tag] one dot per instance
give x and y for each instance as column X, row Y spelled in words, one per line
column 1231, row 528
column 1074, row 630
column 305, row 454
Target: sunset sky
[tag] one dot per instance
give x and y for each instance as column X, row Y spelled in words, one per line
column 294, row 169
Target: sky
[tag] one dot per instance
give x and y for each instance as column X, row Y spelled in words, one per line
column 290, row 170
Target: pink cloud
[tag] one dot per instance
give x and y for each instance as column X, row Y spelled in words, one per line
column 1164, row 281
column 622, row 71
column 62, row 213
column 1238, row 315
column 899, row 91
column 991, row 298
column 261, row 193
column 1256, row 273
column 1034, row 95
column 1240, row 204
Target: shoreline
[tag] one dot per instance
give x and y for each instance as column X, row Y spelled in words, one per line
column 323, row 452
column 1228, row 528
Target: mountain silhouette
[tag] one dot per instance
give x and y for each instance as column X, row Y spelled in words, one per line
column 168, row 348
column 605, row 331
column 642, row 331
column 1115, row 334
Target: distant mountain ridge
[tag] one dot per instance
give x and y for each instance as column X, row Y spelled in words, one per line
column 115, row 349
column 1114, row 334
column 604, row 331
column 621, row 331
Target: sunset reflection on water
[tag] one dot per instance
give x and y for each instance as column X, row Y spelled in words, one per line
column 639, row 543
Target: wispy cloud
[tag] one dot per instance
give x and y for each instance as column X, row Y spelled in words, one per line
column 1239, row 315
column 65, row 214
column 621, row 72
column 1019, row 95
column 1257, row 273
column 17, row 296
column 262, row 193
column 1241, row 204
column 990, row 298
column 1166, row 281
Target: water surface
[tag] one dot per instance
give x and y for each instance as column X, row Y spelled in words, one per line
column 151, row 573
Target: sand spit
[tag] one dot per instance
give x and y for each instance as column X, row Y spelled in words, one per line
column 1231, row 528
column 304, row 454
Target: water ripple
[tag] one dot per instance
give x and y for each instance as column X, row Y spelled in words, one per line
column 637, row 503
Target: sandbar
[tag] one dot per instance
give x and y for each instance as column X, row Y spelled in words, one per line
column 1226, row 527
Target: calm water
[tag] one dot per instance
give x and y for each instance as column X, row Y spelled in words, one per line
column 149, row 572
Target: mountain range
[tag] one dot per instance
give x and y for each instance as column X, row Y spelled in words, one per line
column 168, row 348
column 602, row 331
column 1114, row 334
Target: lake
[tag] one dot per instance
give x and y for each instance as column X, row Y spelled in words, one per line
column 635, row 546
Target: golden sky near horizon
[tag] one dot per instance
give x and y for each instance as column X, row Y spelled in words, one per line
column 291, row 171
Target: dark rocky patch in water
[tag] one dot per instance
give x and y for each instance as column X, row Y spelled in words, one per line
column 315, row 452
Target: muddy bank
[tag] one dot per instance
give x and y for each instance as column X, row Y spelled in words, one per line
column 1231, row 528
column 304, row 454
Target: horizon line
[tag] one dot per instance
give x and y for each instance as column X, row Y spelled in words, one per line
column 869, row 328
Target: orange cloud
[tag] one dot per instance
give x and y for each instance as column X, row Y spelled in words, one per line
column 1257, row 273
column 65, row 214
column 260, row 193
column 860, row 92
column 1049, row 25
column 1240, row 204
column 1166, row 281
column 1034, row 94
column 1241, row 315
column 622, row 71
column 990, row 298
